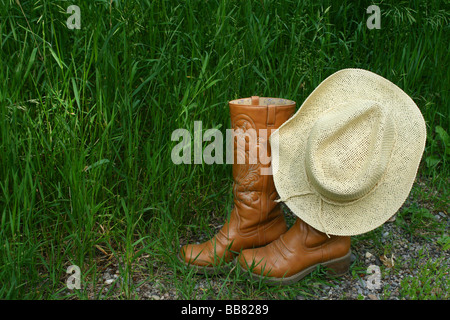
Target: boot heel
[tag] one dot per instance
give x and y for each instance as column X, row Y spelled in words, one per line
column 339, row 266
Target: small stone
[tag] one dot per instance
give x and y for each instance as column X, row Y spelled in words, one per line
column 372, row 297
column 368, row 255
column 155, row 297
column 392, row 219
column 109, row 281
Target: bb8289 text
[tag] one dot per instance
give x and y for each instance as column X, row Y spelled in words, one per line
column 246, row 309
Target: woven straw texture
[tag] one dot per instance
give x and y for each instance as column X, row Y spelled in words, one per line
column 346, row 161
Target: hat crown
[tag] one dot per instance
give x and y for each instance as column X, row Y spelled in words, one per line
column 348, row 150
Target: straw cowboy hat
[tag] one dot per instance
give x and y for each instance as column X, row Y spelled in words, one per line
column 347, row 159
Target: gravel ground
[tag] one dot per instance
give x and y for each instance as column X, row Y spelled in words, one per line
column 406, row 254
column 401, row 258
column 401, row 265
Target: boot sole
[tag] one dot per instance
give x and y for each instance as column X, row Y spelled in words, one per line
column 217, row 270
column 335, row 268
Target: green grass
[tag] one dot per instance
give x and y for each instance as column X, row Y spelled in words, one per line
column 86, row 118
column 431, row 283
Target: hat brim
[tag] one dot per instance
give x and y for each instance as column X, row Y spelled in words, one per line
column 384, row 201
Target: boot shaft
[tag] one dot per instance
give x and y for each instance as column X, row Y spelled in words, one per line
column 253, row 120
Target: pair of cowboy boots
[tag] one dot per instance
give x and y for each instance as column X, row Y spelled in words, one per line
column 256, row 234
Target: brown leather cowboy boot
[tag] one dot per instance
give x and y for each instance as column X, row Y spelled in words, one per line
column 297, row 253
column 256, row 219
